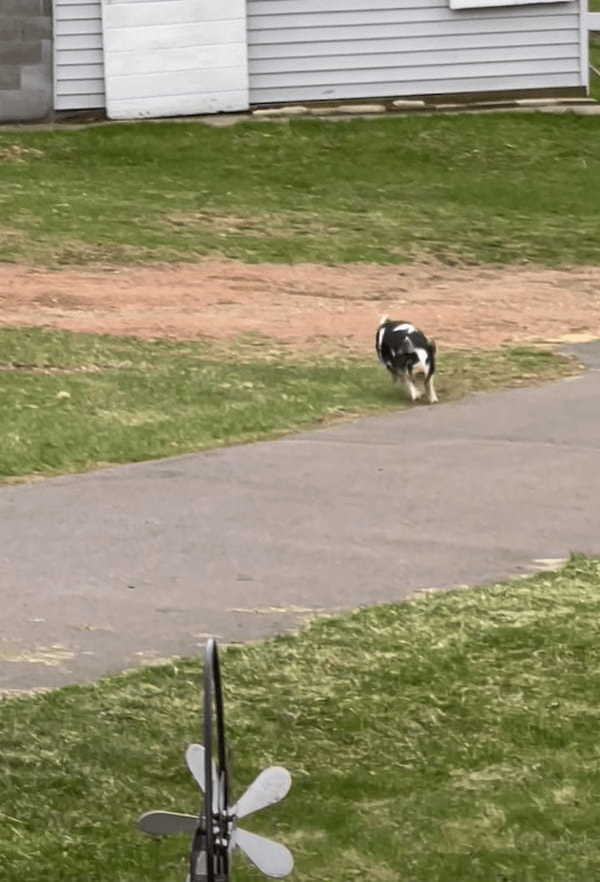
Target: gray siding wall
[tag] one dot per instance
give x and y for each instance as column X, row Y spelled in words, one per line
column 334, row 49
column 25, row 60
column 78, row 58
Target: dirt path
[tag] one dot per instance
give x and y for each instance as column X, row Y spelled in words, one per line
column 307, row 306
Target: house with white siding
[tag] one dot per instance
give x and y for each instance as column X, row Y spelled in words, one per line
column 154, row 58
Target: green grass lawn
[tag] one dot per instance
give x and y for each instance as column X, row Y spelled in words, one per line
column 451, row 738
column 490, row 188
column 69, row 402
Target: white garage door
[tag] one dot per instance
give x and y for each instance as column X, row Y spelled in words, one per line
column 174, row 57
column 78, row 59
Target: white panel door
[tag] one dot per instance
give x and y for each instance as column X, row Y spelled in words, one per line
column 174, row 57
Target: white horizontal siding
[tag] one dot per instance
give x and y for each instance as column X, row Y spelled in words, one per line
column 479, row 4
column 393, row 62
column 454, row 42
column 317, row 20
column 84, row 9
column 78, row 58
column 332, row 49
column 258, row 36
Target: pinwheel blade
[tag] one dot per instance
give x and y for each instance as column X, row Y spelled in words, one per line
column 194, row 757
column 267, row 788
column 271, row 858
column 165, row 823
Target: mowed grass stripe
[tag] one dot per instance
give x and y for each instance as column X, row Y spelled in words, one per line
column 70, row 402
column 497, row 188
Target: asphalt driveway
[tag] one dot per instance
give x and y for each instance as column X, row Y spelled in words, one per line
column 115, row 568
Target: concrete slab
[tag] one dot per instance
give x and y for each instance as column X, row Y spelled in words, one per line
column 104, row 571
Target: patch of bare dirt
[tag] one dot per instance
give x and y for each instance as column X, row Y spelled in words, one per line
column 306, row 306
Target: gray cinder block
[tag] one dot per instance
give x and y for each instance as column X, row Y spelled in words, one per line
column 10, row 77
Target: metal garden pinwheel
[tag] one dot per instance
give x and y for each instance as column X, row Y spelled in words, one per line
column 215, row 833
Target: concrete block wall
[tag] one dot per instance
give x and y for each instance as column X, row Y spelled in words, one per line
column 25, row 60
